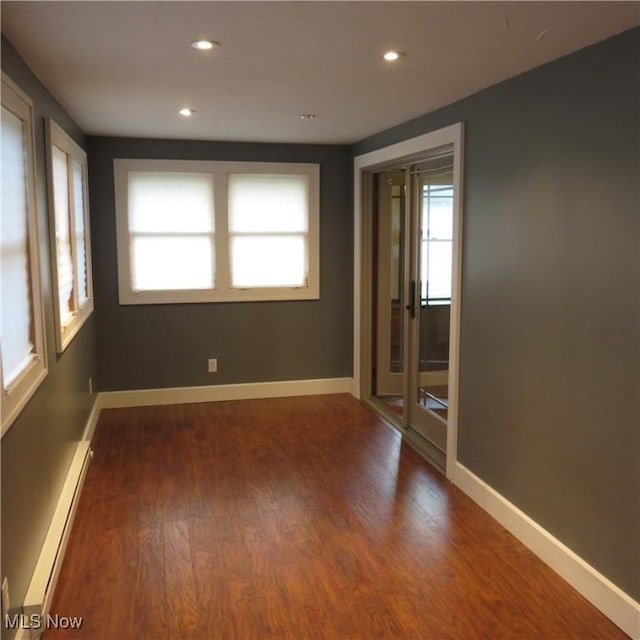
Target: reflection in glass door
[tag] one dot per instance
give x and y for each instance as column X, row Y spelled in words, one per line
column 389, row 378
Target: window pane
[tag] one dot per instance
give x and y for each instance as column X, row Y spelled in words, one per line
column 63, row 238
column 437, row 208
column 439, row 269
column 441, row 219
column 171, row 202
column 81, row 258
column 182, row 262
column 268, row 203
column 268, row 261
column 17, row 345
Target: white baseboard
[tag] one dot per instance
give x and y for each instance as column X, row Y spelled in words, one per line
column 214, row 393
column 601, row 592
column 45, row 575
column 92, row 421
column 43, row 581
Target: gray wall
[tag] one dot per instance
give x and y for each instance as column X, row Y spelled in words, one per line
column 549, row 409
column 37, row 450
column 153, row 346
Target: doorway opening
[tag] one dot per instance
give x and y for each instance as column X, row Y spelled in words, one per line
column 409, row 223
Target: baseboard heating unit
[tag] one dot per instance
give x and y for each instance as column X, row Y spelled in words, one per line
column 43, row 582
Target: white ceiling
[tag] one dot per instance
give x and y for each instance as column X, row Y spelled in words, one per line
column 125, row 68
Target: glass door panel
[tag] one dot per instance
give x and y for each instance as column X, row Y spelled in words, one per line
column 389, row 270
column 432, row 185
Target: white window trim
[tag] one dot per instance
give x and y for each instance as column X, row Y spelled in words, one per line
column 223, row 291
column 19, row 392
column 55, row 135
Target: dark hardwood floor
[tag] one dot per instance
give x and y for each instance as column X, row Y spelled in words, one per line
column 293, row 518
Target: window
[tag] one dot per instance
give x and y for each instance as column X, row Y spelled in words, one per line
column 69, row 230
column 437, row 239
column 193, row 231
column 21, row 329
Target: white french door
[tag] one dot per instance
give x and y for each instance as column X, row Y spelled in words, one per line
column 430, row 263
column 408, row 287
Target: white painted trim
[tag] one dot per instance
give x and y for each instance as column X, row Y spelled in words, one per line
column 45, row 576
column 92, row 420
column 214, row 393
column 405, row 151
column 457, row 133
column 357, row 276
column 596, row 588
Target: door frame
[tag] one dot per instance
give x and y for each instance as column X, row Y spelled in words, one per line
column 386, row 157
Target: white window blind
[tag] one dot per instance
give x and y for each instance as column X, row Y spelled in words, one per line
column 22, row 341
column 171, row 218
column 268, row 228
column 206, row 231
column 63, row 234
column 69, row 227
column 80, row 231
column 17, row 324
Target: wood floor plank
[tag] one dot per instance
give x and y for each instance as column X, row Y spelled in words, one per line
column 293, row 518
column 181, row 600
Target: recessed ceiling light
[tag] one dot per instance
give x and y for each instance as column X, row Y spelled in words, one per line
column 308, row 116
column 186, row 112
column 391, row 56
column 204, row 45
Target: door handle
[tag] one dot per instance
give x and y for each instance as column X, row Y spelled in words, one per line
column 411, row 307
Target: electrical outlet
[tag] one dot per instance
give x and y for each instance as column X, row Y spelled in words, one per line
column 212, row 365
column 90, row 386
column 5, row 599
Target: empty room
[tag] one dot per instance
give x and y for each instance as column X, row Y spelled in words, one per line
column 320, row 320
